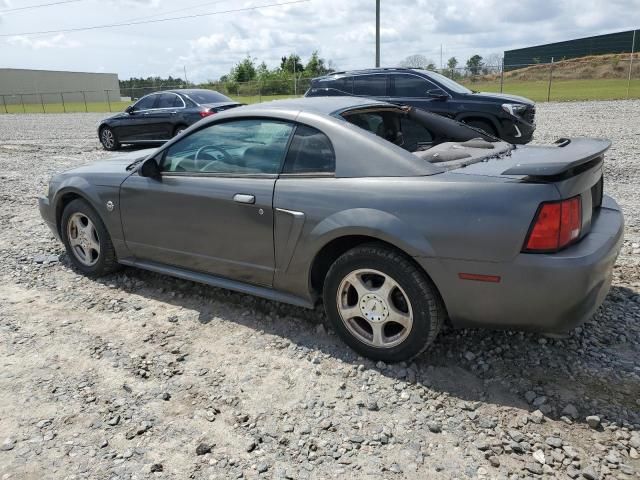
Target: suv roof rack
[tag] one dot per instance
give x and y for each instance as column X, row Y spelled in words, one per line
column 363, row 70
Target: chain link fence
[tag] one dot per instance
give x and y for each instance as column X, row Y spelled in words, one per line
column 588, row 78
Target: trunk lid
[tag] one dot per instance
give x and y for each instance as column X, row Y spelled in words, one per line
column 572, row 166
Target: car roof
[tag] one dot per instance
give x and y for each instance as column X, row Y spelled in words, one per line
column 372, row 70
column 187, row 91
column 321, row 105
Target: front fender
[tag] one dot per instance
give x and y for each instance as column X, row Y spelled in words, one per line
column 97, row 196
column 481, row 116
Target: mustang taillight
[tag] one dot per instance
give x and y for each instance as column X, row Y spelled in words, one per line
column 206, row 113
column 556, row 225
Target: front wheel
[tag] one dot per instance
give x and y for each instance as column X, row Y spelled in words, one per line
column 108, row 139
column 86, row 240
column 382, row 304
column 482, row 125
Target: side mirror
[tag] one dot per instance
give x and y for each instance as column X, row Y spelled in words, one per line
column 150, row 169
column 129, row 109
column 437, row 93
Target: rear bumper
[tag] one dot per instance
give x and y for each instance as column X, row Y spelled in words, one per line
column 48, row 215
column 549, row 293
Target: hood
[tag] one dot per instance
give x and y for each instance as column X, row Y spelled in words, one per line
column 502, row 98
column 110, row 171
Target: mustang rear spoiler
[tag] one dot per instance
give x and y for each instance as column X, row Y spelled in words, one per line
column 566, row 158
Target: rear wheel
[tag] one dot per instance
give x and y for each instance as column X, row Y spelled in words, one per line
column 86, row 240
column 381, row 304
column 482, row 125
column 108, row 139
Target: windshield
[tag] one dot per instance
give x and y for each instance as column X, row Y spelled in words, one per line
column 448, row 83
column 207, row 96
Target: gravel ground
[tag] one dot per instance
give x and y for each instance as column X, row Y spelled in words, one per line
column 138, row 375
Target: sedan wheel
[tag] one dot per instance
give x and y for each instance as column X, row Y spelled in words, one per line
column 382, row 303
column 86, row 239
column 108, row 139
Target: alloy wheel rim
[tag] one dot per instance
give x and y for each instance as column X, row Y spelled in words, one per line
column 107, row 138
column 374, row 308
column 83, row 239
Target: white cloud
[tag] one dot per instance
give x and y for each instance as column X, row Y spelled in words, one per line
column 56, row 41
column 342, row 31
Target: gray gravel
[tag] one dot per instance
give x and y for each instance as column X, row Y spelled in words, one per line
column 141, row 376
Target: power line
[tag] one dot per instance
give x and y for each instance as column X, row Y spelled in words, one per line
column 41, row 5
column 206, row 4
column 126, row 24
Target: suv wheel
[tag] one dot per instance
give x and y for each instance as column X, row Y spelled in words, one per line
column 381, row 304
column 483, row 125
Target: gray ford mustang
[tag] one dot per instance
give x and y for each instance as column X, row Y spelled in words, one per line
column 394, row 217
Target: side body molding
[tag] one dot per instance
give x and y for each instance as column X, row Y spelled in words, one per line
column 288, row 227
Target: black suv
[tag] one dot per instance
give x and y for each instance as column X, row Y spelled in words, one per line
column 509, row 117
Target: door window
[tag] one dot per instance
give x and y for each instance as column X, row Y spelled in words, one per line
column 310, row 152
column 370, row 85
column 251, row 146
column 145, row 103
column 168, row 100
column 414, row 135
column 411, row 86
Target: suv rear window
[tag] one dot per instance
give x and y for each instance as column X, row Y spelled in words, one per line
column 410, row 86
column 370, row 85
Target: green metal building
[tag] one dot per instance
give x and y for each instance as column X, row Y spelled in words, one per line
column 620, row 42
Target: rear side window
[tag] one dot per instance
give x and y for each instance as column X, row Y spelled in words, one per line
column 310, row 152
column 168, row 100
column 145, row 103
column 370, row 85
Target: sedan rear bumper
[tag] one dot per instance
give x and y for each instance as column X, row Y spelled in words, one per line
column 550, row 293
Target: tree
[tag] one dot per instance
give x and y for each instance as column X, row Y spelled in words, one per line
column 418, row 61
column 291, row 64
column 493, row 60
column 315, row 66
column 245, row 71
column 475, row 64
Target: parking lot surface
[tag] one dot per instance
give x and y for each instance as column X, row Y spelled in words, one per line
column 139, row 375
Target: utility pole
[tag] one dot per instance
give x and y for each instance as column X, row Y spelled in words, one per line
column 441, row 66
column 186, row 80
column 377, row 33
column 633, row 44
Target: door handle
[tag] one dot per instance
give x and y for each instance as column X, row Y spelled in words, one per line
column 244, row 198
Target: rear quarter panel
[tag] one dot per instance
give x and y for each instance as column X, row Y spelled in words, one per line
column 441, row 217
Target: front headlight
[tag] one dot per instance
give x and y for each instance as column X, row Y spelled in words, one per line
column 514, row 109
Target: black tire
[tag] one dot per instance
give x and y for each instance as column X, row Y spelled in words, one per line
column 108, row 139
column 422, row 295
column 179, row 129
column 483, row 125
column 105, row 260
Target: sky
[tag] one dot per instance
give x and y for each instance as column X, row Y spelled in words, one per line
column 343, row 31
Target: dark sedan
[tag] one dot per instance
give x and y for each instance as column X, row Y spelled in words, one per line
column 159, row 116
